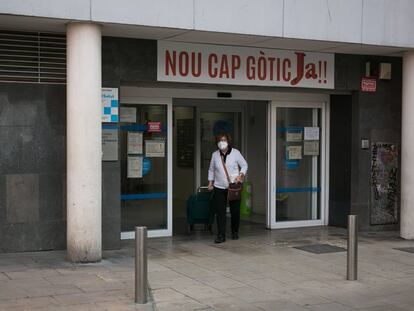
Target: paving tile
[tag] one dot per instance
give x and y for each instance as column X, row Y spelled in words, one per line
column 167, row 294
column 73, row 299
column 201, row 292
column 249, row 294
column 3, row 277
column 77, row 278
column 28, row 303
column 220, row 282
column 229, row 304
column 330, row 307
column 32, row 273
column 281, row 305
column 180, row 282
column 186, row 304
column 101, row 285
column 387, row 307
column 406, row 249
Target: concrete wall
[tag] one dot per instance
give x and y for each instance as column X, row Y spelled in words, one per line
column 33, row 167
column 33, row 171
column 375, row 116
column 378, row 22
column 33, row 155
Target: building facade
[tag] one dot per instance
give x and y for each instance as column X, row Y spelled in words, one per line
column 108, row 113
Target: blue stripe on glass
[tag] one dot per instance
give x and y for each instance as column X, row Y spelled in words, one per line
column 290, row 129
column 143, row 196
column 134, row 127
column 109, row 126
column 139, row 128
column 304, row 189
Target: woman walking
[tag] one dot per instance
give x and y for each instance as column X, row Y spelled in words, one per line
column 227, row 165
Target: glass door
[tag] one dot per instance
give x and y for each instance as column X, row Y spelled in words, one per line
column 145, row 143
column 212, row 122
column 297, row 165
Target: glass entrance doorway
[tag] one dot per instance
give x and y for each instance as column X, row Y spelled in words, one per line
column 145, row 159
column 210, row 124
column 298, row 159
column 195, row 124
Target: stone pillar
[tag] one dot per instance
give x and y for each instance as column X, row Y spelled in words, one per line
column 84, row 149
column 407, row 148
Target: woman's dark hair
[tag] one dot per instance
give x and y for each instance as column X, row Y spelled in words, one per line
column 220, row 135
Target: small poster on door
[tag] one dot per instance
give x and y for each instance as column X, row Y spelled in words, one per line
column 153, row 127
column 109, row 144
column 155, row 148
column 293, row 136
column 311, row 147
column 312, row 133
column 135, row 142
column 294, row 152
column 134, row 167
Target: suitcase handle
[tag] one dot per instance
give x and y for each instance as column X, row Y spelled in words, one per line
column 199, row 189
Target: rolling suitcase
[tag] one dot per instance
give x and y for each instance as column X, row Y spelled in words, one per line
column 199, row 209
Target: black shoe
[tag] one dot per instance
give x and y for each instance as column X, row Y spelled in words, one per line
column 220, row 239
column 235, row 236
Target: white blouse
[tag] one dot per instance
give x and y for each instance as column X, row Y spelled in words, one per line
column 234, row 161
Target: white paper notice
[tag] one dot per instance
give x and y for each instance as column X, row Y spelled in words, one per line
column 293, row 136
column 311, row 133
column 155, row 148
column 128, row 114
column 135, row 142
column 134, row 167
column 311, row 148
column 294, row 152
column 110, row 144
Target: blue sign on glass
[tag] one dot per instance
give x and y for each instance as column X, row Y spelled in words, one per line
column 290, row 164
column 146, row 166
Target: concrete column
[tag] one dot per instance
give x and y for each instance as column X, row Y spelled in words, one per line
column 407, row 148
column 84, row 149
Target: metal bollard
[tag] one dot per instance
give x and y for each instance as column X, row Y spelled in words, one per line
column 141, row 272
column 352, row 251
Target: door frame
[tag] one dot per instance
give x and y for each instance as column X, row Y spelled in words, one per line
column 138, row 100
column 163, row 94
column 324, row 167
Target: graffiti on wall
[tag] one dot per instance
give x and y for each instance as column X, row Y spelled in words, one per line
column 384, row 183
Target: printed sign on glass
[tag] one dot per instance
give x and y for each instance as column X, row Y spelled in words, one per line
column 154, row 148
column 110, row 105
column 312, row 133
column 135, row 142
column 294, row 152
column 134, row 167
column 109, row 144
column 153, row 127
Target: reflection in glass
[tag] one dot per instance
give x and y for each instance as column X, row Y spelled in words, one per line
column 298, row 163
column 212, row 123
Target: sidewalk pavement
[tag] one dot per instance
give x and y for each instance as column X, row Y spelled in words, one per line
column 262, row 271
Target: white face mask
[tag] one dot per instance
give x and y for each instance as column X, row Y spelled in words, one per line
column 222, row 145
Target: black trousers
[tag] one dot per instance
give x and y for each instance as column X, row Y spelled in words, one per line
column 220, row 204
